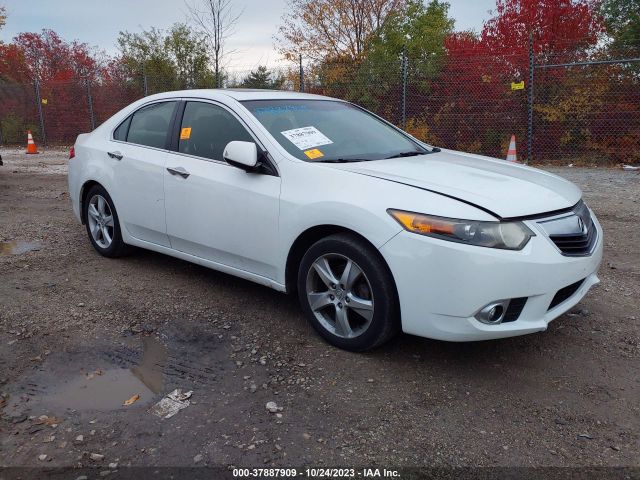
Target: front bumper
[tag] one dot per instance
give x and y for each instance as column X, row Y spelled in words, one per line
column 442, row 285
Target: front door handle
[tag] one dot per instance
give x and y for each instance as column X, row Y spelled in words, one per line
column 117, row 155
column 178, row 171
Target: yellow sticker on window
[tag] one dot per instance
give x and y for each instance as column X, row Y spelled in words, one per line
column 185, row 133
column 314, row 153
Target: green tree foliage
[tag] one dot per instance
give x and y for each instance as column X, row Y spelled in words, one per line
column 262, row 78
column 419, row 30
column 622, row 20
column 189, row 54
column 3, row 17
column 172, row 60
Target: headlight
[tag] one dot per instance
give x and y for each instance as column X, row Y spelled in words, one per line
column 505, row 235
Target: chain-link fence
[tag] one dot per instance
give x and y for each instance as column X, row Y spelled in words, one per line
column 582, row 112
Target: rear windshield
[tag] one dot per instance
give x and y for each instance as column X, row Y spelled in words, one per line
column 327, row 130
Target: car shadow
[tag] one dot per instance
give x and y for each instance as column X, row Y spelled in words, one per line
column 403, row 349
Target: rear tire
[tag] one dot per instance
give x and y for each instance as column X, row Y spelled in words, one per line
column 348, row 294
column 103, row 225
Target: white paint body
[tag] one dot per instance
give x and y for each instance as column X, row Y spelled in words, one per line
column 245, row 223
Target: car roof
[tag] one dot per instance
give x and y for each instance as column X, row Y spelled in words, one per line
column 241, row 94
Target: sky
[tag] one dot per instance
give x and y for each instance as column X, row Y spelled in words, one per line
column 97, row 22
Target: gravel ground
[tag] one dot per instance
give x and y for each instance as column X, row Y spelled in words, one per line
column 80, row 334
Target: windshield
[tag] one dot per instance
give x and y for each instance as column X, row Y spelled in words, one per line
column 330, row 131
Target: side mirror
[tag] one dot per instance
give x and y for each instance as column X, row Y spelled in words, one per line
column 243, row 155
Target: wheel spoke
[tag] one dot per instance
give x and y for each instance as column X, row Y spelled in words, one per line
column 362, row 306
column 350, row 275
column 342, row 323
column 95, row 228
column 317, row 301
column 108, row 221
column 101, row 204
column 323, row 269
column 106, row 236
column 93, row 212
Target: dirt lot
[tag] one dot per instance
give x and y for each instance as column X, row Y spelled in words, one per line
column 80, row 334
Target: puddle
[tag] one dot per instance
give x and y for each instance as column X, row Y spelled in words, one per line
column 18, row 247
column 110, row 389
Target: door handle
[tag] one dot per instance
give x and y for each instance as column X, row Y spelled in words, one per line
column 117, row 155
column 178, row 171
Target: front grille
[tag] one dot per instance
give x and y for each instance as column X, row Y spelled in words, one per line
column 574, row 245
column 514, row 309
column 564, row 294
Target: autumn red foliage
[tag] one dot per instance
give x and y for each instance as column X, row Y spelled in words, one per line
column 472, row 105
column 468, row 102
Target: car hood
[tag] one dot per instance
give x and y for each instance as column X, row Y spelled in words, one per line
column 505, row 189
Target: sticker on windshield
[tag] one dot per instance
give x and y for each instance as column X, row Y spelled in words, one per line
column 185, row 133
column 306, row 137
column 314, row 153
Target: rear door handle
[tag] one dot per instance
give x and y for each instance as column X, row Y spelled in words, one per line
column 117, row 155
column 178, row 171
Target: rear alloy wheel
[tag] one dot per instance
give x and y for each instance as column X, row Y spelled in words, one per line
column 348, row 293
column 102, row 223
column 100, row 219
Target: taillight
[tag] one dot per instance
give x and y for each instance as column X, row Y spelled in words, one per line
column 72, row 153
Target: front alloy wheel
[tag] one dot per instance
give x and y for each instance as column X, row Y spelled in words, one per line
column 342, row 302
column 348, row 293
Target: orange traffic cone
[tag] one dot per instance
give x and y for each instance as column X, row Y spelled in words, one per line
column 31, row 145
column 512, row 156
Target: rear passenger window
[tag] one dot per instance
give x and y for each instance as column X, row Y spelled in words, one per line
column 150, row 124
column 207, row 129
column 120, row 133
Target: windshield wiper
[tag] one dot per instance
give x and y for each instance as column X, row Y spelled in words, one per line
column 413, row 153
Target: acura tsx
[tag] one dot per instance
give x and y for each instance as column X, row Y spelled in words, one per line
column 374, row 230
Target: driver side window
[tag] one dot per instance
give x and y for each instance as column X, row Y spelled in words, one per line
column 206, row 130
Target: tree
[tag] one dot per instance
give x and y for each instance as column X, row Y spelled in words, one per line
column 262, row 78
column 561, row 29
column 3, row 17
column 144, row 54
column 216, row 21
column 47, row 56
column 415, row 28
column 420, row 31
column 61, row 70
column 188, row 51
column 622, row 20
column 173, row 60
column 332, row 29
column 473, row 106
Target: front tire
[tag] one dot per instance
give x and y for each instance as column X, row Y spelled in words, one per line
column 103, row 225
column 348, row 294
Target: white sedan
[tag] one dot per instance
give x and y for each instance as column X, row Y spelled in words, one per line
column 376, row 231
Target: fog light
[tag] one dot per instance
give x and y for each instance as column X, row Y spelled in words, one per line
column 493, row 313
